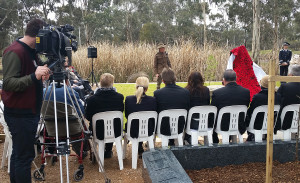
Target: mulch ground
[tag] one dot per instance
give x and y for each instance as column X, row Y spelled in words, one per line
column 91, row 171
column 251, row 172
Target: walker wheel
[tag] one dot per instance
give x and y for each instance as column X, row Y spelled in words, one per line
column 39, row 175
column 78, row 175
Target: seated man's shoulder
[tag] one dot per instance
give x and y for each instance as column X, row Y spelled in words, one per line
column 120, row 95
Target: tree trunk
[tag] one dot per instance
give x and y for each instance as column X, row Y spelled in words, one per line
column 256, row 30
column 203, row 4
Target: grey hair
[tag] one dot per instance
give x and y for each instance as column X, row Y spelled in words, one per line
column 229, row 75
column 294, row 70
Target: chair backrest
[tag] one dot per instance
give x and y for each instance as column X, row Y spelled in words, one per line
column 49, row 118
column 143, row 118
column 293, row 108
column 234, row 112
column 108, row 118
column 203, row 112
column 262, row 109
column 173, row 115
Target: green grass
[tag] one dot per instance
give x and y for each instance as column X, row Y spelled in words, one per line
column 129, row 89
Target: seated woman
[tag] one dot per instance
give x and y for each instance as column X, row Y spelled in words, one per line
column 199, row 96
column 140, row 102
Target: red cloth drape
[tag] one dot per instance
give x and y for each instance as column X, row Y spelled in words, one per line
column 242, row 65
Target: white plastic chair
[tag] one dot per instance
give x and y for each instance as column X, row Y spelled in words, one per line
column 287, row 134
column 109, row 134
column 234, row 112
column 174, row 115
column 7, row 150
column 143, row 118
column 259, row 133
column 203, row 129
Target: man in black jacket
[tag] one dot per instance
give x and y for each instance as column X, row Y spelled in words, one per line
column 171, row 97
column 259, row 99
column 290, row 93
column 231, row 94
column 105, row 99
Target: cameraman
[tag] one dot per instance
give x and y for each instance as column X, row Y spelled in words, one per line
column 22, row 97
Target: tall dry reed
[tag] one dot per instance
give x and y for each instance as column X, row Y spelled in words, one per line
column 127, row 59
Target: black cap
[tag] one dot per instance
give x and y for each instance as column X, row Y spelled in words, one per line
column 286, row 44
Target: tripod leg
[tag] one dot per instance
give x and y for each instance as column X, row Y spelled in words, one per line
column 56, row 133
column 95, row 79
column 67, row 129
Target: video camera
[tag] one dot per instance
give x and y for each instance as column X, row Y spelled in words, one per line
column 56, row 43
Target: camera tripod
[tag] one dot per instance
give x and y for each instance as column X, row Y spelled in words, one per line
column 63, row 148
column 92, row 74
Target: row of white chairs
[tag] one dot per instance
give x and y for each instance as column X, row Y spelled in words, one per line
column 174, row 114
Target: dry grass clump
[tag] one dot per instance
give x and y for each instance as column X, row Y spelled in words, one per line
column 130, row 58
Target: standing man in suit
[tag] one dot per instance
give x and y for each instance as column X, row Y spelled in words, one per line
column 171, row 97
column 161, row 61
column 285, row 57
column 290, row 93
column 105, row 99
column 231, row 94
column 259, row 99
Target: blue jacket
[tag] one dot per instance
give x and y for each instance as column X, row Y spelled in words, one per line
column 60, row 97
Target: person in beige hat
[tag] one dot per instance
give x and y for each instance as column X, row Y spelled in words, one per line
column 259, row 99
column 161, row 61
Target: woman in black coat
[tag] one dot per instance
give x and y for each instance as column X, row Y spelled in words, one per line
column 140, row 102
column 199, row 95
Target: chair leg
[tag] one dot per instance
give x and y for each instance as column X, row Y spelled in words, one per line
column 258, row 136
column 209, row 137
column 194, row 137
column 225, row 139
column 9, row 154
column 150, row 143
column 118, row 142
column 124, row 147
column 287, row 135
column 180, row 139
column 101, row 147
column 164, row 142
column 135, row 146
column 4, row 155
column 241, row 139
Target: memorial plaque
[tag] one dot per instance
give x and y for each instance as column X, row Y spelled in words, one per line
column 163, row 167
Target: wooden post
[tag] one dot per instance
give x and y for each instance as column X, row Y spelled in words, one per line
column 271, row 96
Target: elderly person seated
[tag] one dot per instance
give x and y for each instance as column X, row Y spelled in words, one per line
column 290, row 94
column 231, row 94
column 140, row 102
column 74, row 127
column 105, row 99
column 59, row 91
column 259, row 99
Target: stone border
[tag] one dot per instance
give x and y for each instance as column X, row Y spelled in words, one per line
column 199, row 157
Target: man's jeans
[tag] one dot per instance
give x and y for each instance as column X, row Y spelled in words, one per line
column 23, row 131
